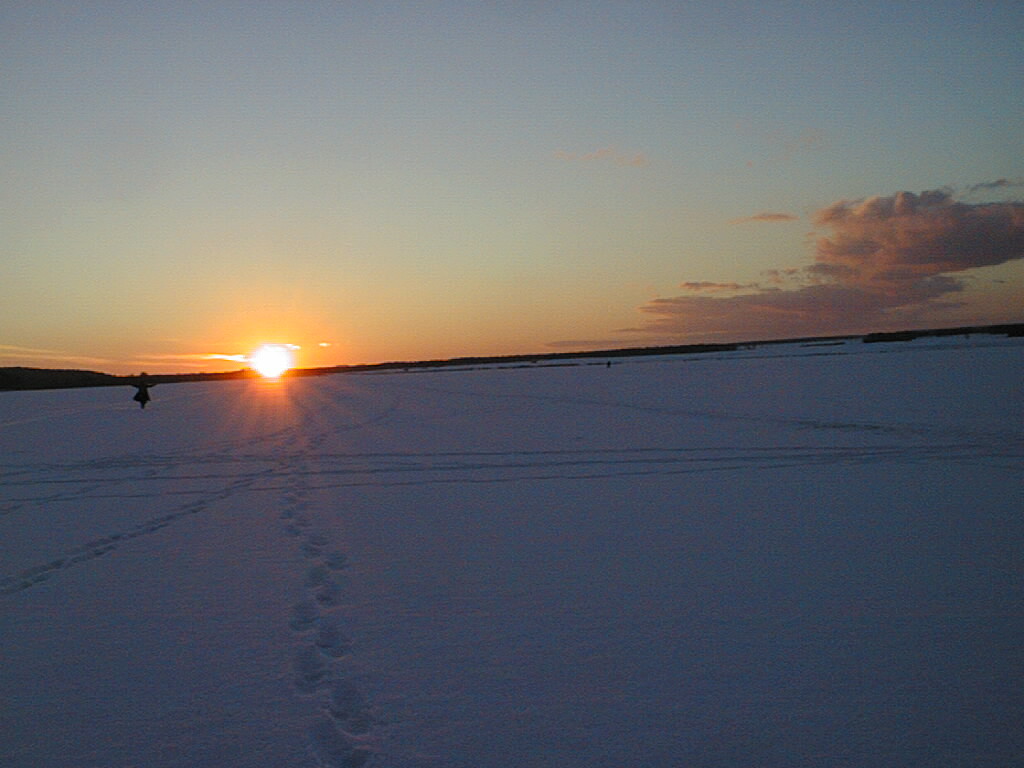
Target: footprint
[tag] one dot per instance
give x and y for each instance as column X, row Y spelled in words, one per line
column 336, row 561
column 329, row 593
column 317, row 576
column 331, row 640
column 333, row 748
column 310, row 550
column 304, row 615
column 349, row 707
column 314, row 545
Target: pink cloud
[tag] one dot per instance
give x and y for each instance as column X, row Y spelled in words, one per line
column 768, row 217
column 904, row 237
column 782, row 276
column 809, row 310
column 882, row 262
column 706, row 285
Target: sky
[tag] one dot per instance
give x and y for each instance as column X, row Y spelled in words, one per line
column 400, row 181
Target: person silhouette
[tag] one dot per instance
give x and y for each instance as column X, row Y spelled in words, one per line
column 142, row 386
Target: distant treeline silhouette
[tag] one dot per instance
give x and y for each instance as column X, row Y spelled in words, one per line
column 1013, row 329
column 19, row 378
column 46, row 378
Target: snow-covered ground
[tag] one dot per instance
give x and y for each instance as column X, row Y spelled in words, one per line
column 786, row 556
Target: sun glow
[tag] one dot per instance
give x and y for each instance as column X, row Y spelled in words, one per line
column 271, row 360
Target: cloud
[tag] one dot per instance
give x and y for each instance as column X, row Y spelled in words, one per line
column 895, row 240
column 608, row 155
column 881, row 262
column 189, row 359
column 988, row 186
column 766, row 217
column 13, row 355
column 827, row 308
column 783, row 276
column 12, row 350
column 707, row 285
column 216, row 356
column 202, row 359
column 194, row 356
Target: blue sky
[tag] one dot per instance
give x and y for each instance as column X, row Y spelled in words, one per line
column 410, row 180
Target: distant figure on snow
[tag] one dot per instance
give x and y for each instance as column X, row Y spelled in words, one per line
column 142, row 386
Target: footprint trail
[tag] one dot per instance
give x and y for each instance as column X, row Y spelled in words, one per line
column 144, row 493
column 341, row 733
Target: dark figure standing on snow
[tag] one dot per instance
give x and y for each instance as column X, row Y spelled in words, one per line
column 142, row 390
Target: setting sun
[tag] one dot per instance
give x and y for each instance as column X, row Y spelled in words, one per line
column 271, row 360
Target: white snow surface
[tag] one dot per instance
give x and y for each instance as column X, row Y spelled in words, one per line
column 784, row 556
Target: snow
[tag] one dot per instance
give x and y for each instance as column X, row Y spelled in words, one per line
column 783, row 556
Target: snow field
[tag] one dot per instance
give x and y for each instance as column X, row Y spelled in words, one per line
column 785, row 556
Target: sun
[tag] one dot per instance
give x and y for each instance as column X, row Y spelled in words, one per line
column 271, row 360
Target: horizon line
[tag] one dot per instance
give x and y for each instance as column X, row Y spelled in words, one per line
column 89, row 378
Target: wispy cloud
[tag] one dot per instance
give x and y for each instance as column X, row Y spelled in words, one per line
column 989, row 186
column 11, row 350
column 13, row 355
column 712, row 287
column 203, row 360
column 190, row 359
column 780, row 277
column 766, row 217
column 609, row 155
column 233, row 358
column 880, row 262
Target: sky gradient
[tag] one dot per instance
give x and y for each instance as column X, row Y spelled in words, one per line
column 398, row 181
